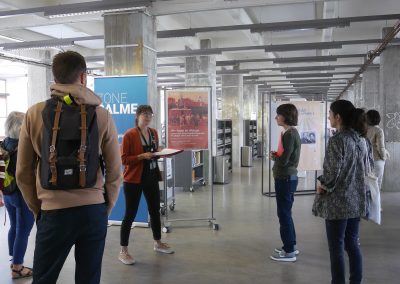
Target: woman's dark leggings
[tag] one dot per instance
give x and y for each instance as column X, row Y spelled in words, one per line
column 133, row 192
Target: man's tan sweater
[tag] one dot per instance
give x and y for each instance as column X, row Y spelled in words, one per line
column 29, row 152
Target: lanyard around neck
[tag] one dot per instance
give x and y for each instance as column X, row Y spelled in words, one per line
column 141, row 134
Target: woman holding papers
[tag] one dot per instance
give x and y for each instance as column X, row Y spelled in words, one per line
column 141, row 174
column 286, row 160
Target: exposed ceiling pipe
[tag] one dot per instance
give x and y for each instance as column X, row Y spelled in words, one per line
column 373, row 54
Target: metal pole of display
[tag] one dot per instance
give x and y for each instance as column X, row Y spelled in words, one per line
column 262, row 143
column 315, row 184
column 269, row 146
column 326, row 120
column 269, row 193
column 211, row 219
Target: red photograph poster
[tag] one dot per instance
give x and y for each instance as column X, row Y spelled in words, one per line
column 187, row 119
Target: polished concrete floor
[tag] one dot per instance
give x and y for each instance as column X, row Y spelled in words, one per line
column 239, row 251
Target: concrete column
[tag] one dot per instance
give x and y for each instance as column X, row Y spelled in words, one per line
column 349, row 95
column 39, row 80
column 250, row 101
column 232, row 108
column 370, row 89
column 358, row 94
column 389, row 91
column 201, row 72
column 130, row 49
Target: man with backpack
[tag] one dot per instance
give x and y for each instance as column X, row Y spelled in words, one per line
column 66, row 145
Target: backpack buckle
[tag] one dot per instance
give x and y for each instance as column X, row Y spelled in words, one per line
column 82, row 168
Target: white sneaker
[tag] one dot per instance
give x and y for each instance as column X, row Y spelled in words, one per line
column 126, row 258
column 163, row 248
column 284, row 257
column 278, row 250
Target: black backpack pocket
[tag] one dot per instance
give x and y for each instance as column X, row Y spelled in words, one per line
column 67, row 172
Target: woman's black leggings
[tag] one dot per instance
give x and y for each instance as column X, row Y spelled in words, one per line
column 150, row 188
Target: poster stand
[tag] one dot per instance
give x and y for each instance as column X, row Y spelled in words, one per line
column 271, row 193
column 211, row 219
column 120, row 96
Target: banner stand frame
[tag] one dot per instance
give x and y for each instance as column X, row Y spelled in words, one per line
column 211, row 219
column 270, row 193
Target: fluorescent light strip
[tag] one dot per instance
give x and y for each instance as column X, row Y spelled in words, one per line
column 95, row 12
column 39, row 47
column 11, row 38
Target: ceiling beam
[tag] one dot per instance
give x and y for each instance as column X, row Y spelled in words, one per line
column 308, row 75
column 78, row 8
column 278, row 26
column 290, row 59
column 289, row 69
column 271, row 48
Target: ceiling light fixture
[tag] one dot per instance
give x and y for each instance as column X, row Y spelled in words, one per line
column 39, row 46
column 43, row 44
column 94, row 12
column 86, row 8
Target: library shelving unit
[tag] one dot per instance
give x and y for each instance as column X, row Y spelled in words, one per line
column 223, row 158
column 250, row 135
column 189, row 166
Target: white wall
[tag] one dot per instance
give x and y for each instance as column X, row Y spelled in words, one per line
column 18, row 98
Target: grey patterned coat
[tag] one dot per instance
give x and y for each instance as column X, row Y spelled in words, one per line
column 343, row 177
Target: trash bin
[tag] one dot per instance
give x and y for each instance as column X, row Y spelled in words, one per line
column 259, row 149
column 222, row 169
column 246, row 156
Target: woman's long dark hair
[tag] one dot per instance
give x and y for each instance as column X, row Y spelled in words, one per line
column 352, row 117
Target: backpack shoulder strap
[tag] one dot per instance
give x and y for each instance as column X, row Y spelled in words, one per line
column 52, row 148
column 82, row 148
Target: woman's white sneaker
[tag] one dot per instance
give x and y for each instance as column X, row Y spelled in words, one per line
column 126, row 258
column 284, row 257
column 278, row 250
column 163, row 248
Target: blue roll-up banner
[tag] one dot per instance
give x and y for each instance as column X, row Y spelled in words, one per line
column 121, row 96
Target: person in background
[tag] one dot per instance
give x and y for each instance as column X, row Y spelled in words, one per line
column 21, row 218
column 341, row 193
column 285, row 175
column 377, row 138
column 141, row 174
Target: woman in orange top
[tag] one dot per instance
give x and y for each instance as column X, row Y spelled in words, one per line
column 141, row 174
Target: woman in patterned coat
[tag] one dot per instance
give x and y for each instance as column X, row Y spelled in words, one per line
column 341, row 196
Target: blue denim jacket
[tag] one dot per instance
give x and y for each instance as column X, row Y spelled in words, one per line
column 343, row 177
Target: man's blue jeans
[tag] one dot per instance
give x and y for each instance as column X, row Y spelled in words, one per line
column 343, row 235
column 84, row 227
column 284, row 189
